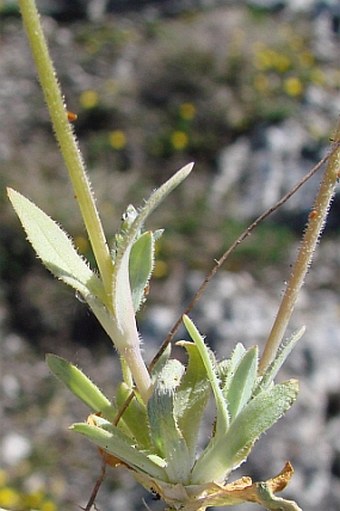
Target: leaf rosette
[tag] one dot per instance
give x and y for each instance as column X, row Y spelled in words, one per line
column 157, row 436
column 158, row 440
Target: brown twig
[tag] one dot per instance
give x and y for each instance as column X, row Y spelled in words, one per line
column 96, row 488
column 227, row 253
column 123, row 408
column 218, row 263
column 315, row 225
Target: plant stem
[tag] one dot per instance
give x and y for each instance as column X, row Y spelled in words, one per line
column 139, row 371
column 67, row 141
column 219, row 262
column 316, row 222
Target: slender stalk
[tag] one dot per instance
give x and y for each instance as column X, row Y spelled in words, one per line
column 96, row 489
column 67, row 141
column 316, row 222
column 219, row 262
column 139, row 371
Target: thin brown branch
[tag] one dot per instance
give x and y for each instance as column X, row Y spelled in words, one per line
column 123, row 408
column 96, row 488
column 315, row 225
column 219, row 262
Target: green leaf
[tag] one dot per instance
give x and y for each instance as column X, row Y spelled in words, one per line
column 161, row 361
column 141, row 266
column 226, row 368
column 282, row 353
column 128, row 217
column 192, row 396
column 158, row 196
column 54, row 247
column 81, row 386
column 135, row 416
column 115, row 442
column 243, row 381
column 125, row 334
column 165, row 432
column 269, row 501
column 123, row 304
column 121, row 284
column 259, row 415
column 222, row 416
column 103, row 315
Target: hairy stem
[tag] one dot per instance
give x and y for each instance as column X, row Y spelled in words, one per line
column 219, row 262
column 66, row 140
column 315, row 225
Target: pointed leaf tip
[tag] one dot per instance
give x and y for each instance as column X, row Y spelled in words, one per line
column 54, row 246
column 81, row 386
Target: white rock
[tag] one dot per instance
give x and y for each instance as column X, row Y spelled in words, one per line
column 14, row 448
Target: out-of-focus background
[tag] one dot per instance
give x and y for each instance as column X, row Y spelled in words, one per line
column 249, row 90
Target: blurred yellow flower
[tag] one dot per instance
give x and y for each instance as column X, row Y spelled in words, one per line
column 89, row 99
column 48, row 505
column 266, row 58
column 33, row 500
column 117, row 139
column 179, row 140
column 293, row 86
column 9, row 498
column 263, row 59
column 187, row 111
column 281, row 63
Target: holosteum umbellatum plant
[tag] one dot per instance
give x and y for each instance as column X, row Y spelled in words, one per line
column 151, row 427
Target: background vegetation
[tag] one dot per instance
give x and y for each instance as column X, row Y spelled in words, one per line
column 151, row 93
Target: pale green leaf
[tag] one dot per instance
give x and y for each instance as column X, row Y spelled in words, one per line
column 259, row 415
column 158, row 196
column 165, row 432
column 273, row 503
column 243, row 381
column 103, row 315
column 81, row 386
column 140, row 267
column 54, row 247
column 226, row 368
column 160, row 363
column 222, row 414
column 126, row 336
column 128, row 217
column 282, row 353
column 191, row 396
column 135, row 416
column 115, row 442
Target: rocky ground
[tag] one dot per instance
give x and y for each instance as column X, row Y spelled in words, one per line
column 147, row 104
column 35, row 441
